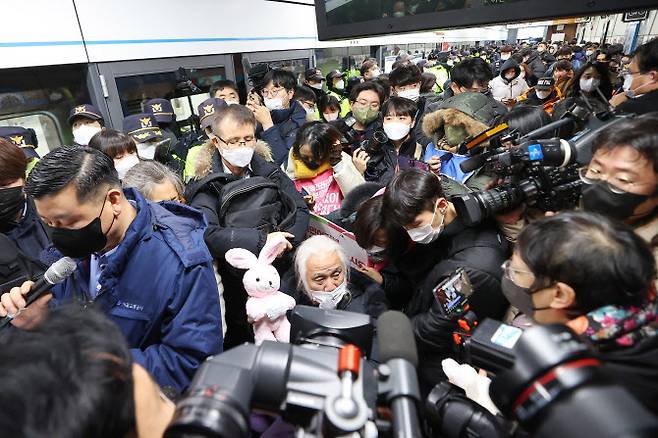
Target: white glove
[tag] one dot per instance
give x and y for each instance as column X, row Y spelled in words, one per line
column 475, row 386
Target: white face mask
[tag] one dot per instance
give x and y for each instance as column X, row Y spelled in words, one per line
column 83, row 133
column 232, row 102
column 317, row 86
column 510, row 76
column 330, row 300
column 543, row 94
column 146, row 150
column 339, row 85
column 331, row 117
column 589, row 53
column 126, row 163
column 309, row 111
column 628, row 81
column 238, row 157
column 426, row 233
column 632, row 93
column 589, row 85
column 375, row 73
column 505, row 57
column 274, row 104
column 396, row 130
column 412, row 93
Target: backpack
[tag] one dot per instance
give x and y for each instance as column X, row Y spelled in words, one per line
column 256, row 202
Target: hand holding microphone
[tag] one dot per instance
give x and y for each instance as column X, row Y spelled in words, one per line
column 14, row 304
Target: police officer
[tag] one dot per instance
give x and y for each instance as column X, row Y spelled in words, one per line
column 207, row 110
column 26, row 139
column 164, row 114
column 85, row 120
column 151, row 141
column 337, row 87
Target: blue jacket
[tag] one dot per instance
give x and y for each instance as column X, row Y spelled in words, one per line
column 282, row 135
column 160, row 289
column 29, row 235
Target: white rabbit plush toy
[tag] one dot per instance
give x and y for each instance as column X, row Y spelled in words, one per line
column 266, row 306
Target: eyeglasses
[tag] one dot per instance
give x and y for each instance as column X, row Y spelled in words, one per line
column 616, row 184
column 271, row 93
column 246, row 141
column 511, row 273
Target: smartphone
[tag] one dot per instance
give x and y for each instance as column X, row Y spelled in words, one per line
column 453, row 292
column 405, row 163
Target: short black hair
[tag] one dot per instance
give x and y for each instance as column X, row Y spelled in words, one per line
column 220, row 85
column 399, row 106
column 280, row 78
column 428, row 82
column 320, row 137
column 564, row 51
column 113, row 143
column 89, row 170
column 647, row 56
column 71, row 376
column 469, row 71
column 525, row 119
column 328, row 101
column 605, row 262
column 563, row 64
column 410, row 193
column 640, row 133
column 405, row 75
column 304, row 93
column 368, row 85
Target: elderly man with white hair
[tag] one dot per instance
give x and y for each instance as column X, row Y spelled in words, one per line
column 324, row 280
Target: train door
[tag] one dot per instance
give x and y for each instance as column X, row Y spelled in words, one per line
column 125, row 86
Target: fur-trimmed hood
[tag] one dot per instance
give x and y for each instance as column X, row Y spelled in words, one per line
column 203, row 163
column 433, row 123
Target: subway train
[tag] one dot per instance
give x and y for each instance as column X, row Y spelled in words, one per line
column 55, row 54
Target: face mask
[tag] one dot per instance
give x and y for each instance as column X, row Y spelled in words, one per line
column 375, row 73
column 232, row 102
column 426, row 233
column 396, row 130
column 450, row 63
column 543, row 94
column 330, row 300
column 12, row 200
column 83, row 133
column 589, row 53
column 125, row 164
column 598, row 198
column 331, row 117
column 376, row 254
column 316, row 86
column 365, row 115
column 412, row 93
column 505, row 57
column 630, row 93
column 309, row 111
column 589, row 85
column 519, row 297
column 510, row 76
column 398, row 14
column 81, row 242
column 146, row 150
column 238, row 157
column 274, row 104
column 339, row 85
column 541, row 49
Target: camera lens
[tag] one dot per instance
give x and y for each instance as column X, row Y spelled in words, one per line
column 500, row 199
column 208, row 413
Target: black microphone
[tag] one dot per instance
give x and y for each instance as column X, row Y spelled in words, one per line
column 474, row 163
column 397, row 350
column 56, row 273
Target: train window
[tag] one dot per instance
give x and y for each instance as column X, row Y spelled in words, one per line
column 41, row 98
column 44, row 125
column 135, row 90
column 297, row 66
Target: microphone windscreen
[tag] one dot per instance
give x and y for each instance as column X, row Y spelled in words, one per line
column 396, row 337
column 59, row 270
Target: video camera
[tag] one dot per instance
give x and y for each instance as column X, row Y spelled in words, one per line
column 256, row 74
column 541, row 173
column 322, row 385
column 552, row 383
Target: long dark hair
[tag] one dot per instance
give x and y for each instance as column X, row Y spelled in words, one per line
column 320, row 137
column 601, row 68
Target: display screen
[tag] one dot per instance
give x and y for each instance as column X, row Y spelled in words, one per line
column 355, row 18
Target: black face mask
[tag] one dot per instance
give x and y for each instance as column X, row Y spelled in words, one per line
column 12, row 200
column 598, row 198
column 80, row 242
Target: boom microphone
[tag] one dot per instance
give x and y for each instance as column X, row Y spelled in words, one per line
column 397, row 349
column 55, row 274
